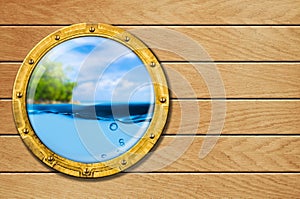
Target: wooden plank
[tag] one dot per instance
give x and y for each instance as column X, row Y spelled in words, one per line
column 242, row 117
column 221, row 43
column 158, row 12
column 230, row 154
column 272, row 80
column 239, row 80
column 152, row 186
column 8, row 74
column 6, row 120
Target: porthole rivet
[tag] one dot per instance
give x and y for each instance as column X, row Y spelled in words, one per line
column 152, row 136
column 127, row 39
column 31, row 61
column 50, row 158
column 162, row 99
column 86, row 171
column 124, row 162
column 19, row 94
column 92, row 29
column 25, row 131
column 57, row 37
column 152, row 64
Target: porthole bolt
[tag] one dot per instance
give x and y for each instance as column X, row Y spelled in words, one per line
column 19, row 94
column 26, row 131
column 92, row 29
column 86, row 172
column 152, row 136
column 123, row 162
column 31, row 61
column 163, row 99
column 50, row 158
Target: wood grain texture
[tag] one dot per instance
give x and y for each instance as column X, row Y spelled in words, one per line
column 152, row 186
column 162, row 12
column 8, row 74
column 230, row 154
column 256, row 45
column 242, row 117
column 239, row 80
column 272, row 80
column 7, row 123
column 221, row 43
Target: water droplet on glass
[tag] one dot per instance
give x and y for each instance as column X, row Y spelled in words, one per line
column 121, row 142
column 113, row 126
column 103, row 156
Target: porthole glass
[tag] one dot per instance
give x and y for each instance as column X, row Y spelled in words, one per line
column 90, row 100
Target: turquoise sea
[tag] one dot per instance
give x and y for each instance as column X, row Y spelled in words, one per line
column 90, row 133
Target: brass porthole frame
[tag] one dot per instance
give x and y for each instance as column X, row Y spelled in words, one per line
column 134, row 154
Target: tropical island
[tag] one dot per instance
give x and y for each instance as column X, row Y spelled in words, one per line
column 54, row 86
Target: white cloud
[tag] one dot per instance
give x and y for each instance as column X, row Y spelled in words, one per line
column 87, row 40
column 126, row 84
column 99, row 59
column 108, row 71
column 84, row 92
column 130, row 55
column 106, row 83
column 133, row 85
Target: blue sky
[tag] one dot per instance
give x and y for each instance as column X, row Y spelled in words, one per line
column 104, row 70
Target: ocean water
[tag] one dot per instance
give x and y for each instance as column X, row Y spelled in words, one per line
column 90, row 133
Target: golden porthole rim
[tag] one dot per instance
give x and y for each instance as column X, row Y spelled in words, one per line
column 115, row 165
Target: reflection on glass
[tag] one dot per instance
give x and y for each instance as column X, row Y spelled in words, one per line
column 90, row 99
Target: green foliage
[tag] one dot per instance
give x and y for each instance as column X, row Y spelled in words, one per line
column 54, row 85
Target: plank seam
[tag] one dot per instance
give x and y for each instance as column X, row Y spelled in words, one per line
column 235, row 99
column 163, row 25
column 198, row 62
column 214, row 99
column 166, row 172
column 203, row 135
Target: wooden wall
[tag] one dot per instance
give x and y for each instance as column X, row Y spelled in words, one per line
column 256, row 48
